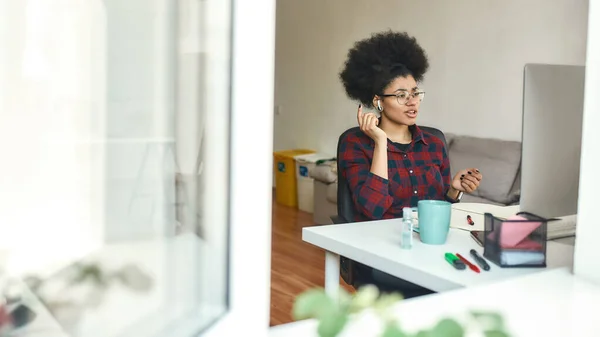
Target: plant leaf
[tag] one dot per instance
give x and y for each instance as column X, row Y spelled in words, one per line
column 312, row 304
column 495, row 333
column 344, row 299
column 490, row 320
column 423, row 333
column 447, row 328
column 332, row 323
column 364, row 297
column 392, row 330
column 386, row 301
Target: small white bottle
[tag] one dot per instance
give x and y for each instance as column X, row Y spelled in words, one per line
column 407, row 228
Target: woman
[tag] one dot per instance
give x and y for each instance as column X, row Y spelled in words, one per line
column 391, row 163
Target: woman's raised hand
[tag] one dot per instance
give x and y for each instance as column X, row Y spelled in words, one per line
column 368, row 123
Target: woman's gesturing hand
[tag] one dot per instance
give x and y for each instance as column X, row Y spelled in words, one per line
column 467, row 180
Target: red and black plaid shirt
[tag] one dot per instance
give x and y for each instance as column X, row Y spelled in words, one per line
column 417, row 171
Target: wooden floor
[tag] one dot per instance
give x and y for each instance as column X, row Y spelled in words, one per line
column 295, row 265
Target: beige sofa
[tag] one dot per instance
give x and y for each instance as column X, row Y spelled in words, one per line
column 498, row 160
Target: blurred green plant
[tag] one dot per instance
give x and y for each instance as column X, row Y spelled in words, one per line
column 333, row 315
column 89, row 283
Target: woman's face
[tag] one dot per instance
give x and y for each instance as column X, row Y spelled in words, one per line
column 399, row 102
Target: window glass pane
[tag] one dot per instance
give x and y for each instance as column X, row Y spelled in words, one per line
column 115, row 119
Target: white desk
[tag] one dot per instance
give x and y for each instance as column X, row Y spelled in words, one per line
column 550, row 303
column 377, row 244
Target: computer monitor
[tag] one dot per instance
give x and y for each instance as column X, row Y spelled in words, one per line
column 552, row 122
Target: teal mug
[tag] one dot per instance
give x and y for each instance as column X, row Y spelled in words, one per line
column 434, row 221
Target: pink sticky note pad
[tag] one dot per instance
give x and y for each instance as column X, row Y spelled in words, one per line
column 514, row 233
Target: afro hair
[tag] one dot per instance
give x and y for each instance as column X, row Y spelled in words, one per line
column 373, row 63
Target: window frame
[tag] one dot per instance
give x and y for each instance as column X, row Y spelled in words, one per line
column 253, row 63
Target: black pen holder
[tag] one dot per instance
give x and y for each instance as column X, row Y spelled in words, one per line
column 516, row 243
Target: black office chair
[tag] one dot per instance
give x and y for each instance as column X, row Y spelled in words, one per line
column 349, row 269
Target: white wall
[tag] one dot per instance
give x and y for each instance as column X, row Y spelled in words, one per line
column 587, row 255
column 477, row 51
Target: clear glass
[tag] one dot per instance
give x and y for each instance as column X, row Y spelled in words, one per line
column 405, row 97
column 115, row 118
column 407, row 228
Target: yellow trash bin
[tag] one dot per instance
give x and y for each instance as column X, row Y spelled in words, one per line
column 285, row 176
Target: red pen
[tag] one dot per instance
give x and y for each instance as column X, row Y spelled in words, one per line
column 468, row 263
column 470, row 221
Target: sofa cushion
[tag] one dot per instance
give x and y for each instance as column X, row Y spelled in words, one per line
column 498, row 161
column 332, row 193
column 325, row 173
column 479, row 200
column 449, row 138
column 515, row 192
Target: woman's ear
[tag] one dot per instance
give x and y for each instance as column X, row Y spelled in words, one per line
column 377, row 103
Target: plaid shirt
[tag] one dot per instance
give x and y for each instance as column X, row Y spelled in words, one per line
column 420, row 172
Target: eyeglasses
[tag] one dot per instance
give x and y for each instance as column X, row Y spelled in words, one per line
column 403, row 97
